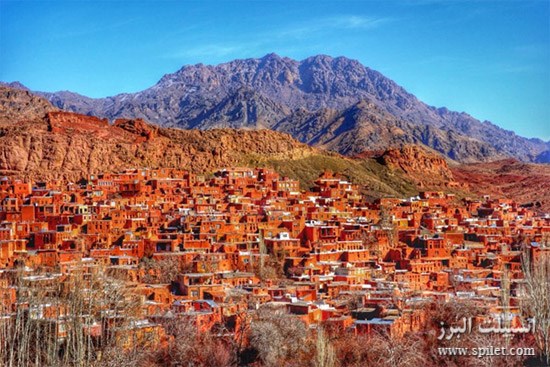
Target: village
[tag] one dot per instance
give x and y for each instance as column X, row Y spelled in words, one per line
column 210, row 249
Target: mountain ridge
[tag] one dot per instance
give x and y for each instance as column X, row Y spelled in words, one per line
column 279, row 88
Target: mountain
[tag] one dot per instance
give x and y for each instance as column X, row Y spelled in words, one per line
column 41, row 142
column 306, row 98
column 365, row 126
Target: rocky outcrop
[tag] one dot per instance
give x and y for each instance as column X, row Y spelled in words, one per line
column 143, row 130
column 427, row 168
column 21, row 105
column 60, row 122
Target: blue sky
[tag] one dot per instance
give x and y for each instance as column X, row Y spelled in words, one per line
column 488, row 58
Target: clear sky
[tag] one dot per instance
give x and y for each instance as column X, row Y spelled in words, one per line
column 488, row 58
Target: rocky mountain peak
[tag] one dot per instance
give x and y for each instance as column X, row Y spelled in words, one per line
column 15, row 85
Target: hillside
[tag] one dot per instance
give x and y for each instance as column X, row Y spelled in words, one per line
column 18, row 104
column 72, row 145
column 38, row 141
column 43, row 143
column 315, row 100
column 68, row 145
column 528, row 184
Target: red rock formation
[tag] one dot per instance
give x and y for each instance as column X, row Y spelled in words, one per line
column 66, row 122
column 72, row 145
column 138, row 127
column 425, row 167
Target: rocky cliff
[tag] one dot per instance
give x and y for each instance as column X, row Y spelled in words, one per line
column 427, row 168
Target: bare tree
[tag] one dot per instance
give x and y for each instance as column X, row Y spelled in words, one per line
column 536, row 301
column 67, row 319
column 277, row 337
column 387, row 225
column 161, row 271
column 383, row 350
column 182, row 334
column 187, row 346
column 324, row 351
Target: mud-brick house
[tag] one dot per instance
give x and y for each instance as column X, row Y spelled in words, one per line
column 315, row 232
column 286, row 185
column 21, row 189
column 194, row 285
column 457, row 261
column 283, row 243
column 352, row 274
column 412, row 280
column 306, row 312
column 439, row 281
column 433, row 246
column 213, row 262
column 7, row 249
column 133, row 246
column 44, row 239
column 99, row 227
column 237, row 279
column 7, row 230
column 10, row 204
column 158, row 297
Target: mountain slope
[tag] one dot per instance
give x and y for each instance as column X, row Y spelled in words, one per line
column 272, row 92
column 242, row 109
column 365, row 126
column 72, row 146
column 527, row 183
column 38, row 141
column 46, row 143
